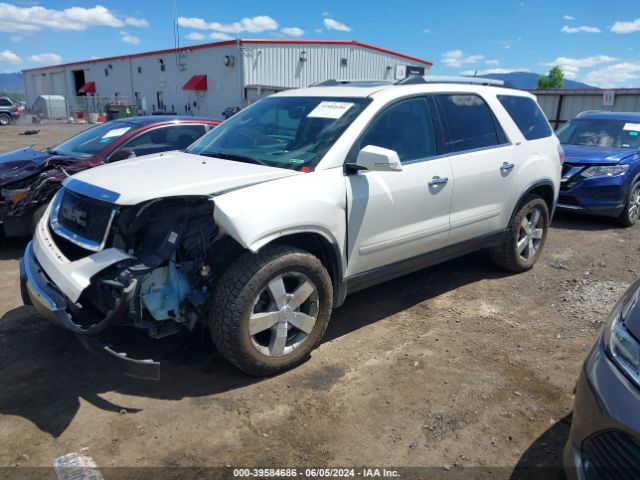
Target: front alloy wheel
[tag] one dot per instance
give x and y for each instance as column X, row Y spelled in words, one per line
column 284, row 314
column 271, row 309
column 631, row 212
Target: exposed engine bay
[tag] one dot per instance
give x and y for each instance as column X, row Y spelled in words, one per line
column 165, row 286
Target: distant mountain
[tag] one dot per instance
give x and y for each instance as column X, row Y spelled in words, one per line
column 529, row 80
column 11, row 82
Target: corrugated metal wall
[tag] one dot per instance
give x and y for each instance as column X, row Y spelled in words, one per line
column 281, row 65
column 576, row 101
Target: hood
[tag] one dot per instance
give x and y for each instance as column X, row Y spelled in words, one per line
column 22, row 163
column 595, row 155
column 170, row 174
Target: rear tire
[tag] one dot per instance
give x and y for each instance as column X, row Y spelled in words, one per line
column 631, row 213
column 5, row 119
column 271, row 309
column 526, row 236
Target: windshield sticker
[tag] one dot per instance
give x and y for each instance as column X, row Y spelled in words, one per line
column 333, row 110
column 632, row 126
column 105, row 140
column 296, row 160
column 633, row 134
column 116, row 132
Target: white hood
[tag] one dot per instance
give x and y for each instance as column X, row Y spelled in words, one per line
column 172, row 174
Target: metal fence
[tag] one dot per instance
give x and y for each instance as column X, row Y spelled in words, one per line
column 91, row 106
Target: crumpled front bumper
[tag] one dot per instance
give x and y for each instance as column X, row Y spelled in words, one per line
column 39, row 290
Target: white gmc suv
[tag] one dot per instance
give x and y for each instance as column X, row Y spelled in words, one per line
column 264, row 225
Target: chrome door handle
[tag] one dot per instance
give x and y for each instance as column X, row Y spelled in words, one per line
column 506, row 167
column 435, row 181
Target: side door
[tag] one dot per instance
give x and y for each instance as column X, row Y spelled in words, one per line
column 394, row 216
column 161, row 139
column 483, row 166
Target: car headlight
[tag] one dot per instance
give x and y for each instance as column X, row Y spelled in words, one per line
column 605, row 171
column 622, row 347
column 14, row 196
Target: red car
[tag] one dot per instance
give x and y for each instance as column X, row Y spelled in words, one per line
column 29, row 177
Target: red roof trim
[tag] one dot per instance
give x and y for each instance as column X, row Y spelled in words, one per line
column 239, row 41
column 197, row 82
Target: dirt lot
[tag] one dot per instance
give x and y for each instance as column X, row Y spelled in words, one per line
column 457, row 365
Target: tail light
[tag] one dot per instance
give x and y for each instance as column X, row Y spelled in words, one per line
column 560, row 154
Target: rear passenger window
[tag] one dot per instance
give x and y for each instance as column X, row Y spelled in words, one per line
column 404, row 127
column 527, row 115
column 469, row 123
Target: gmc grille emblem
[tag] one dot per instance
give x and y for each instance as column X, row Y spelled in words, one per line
column 74, row 215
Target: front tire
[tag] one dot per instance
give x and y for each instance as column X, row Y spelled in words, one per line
column 525, row 236
column 35, row 218
column 5, row 119
column 271, row 309
column 631, row 213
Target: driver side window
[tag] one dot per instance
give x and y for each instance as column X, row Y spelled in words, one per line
column 405, row 127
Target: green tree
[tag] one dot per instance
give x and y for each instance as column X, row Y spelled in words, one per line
column 555, row 79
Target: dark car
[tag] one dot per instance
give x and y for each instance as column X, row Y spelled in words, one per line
column 601, row 174
column 9, row 111
column 605, row 431
column 29, row 177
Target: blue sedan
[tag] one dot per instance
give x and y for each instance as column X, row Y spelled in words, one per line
column 601, row 174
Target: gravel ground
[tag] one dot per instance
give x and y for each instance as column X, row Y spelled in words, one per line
column 459, row 365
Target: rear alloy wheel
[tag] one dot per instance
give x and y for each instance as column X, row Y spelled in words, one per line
column 525, row 236
column 5, row 119
column 270, row 310
column 631, row 212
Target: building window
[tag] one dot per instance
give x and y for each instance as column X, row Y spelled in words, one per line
column 163, row 67
column 343, row 62
column 106, row 72
column 139, row 69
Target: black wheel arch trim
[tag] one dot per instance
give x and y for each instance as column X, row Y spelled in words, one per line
column 528, row 190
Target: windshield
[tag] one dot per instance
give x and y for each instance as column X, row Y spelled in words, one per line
column 285, row 132
column 600, row 133
column 93, row 140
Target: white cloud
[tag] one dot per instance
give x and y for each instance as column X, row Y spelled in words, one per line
column 128, row 38
column 220, row 36
column 293, row 31
column 619, row 74
column 16, row 38
column 332, row 24
column 7, row 56
column 489, row 71
column 32, row 19
column 426, row 30
column 581, row 29
column 195, row 36
column 49, row 58
column 326, row 14
column 568, row 17
column 318, row 30
column 571, row 66
column 257, row 24
column 626, row 27
column 136, row 22
column 456, row 58
column 492, row 61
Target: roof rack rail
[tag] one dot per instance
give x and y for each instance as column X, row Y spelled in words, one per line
column 415, row 80
column 333, row 82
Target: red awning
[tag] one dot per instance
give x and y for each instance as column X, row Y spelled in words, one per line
column 197, row 82
column 89, row 87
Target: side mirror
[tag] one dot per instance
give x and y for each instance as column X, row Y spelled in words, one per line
column 121, row 154
column 378, row 159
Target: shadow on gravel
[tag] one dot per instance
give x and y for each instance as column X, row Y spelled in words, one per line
column 45, row 372
column 543, row 458
column 584, row 222
column 12, row 248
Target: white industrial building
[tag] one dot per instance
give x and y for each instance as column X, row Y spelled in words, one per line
column 207, row 79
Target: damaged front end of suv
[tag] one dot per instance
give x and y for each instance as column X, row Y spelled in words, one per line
column 149, row 266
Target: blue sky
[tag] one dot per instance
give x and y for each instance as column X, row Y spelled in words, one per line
column 594, row 42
